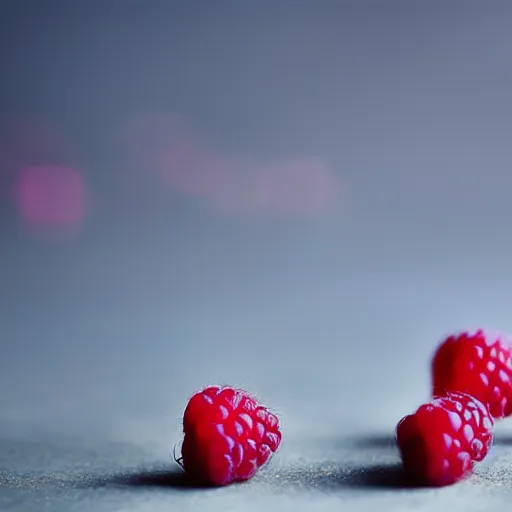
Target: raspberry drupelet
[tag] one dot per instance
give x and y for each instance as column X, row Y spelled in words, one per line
column 442, row 440
column 228, row 436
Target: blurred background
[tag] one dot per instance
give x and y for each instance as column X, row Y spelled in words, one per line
column 300, row 198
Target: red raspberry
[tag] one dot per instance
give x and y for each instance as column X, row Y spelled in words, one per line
column 228, row 436
column 440, row 442
column 479, row 364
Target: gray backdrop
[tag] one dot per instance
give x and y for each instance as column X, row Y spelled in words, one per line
column 329, row 313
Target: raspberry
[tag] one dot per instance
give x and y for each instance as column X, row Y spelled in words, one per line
column 228, row 436
column 440, row 442
column 479, row 364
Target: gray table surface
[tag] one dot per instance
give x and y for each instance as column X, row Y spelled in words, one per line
column 91, row 426
column 360, row 471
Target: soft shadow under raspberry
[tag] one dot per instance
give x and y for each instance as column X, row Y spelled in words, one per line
column 331, row 477
column 136, row 478
column 327, row 477
column 157, row 478
column 373, row 441
column 503, row 439
column 380, row 476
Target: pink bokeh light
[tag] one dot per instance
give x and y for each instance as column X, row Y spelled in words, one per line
column 50, row 196
column 297, row 187
column 182, row 166
column 39, row 176
column 226, row 184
